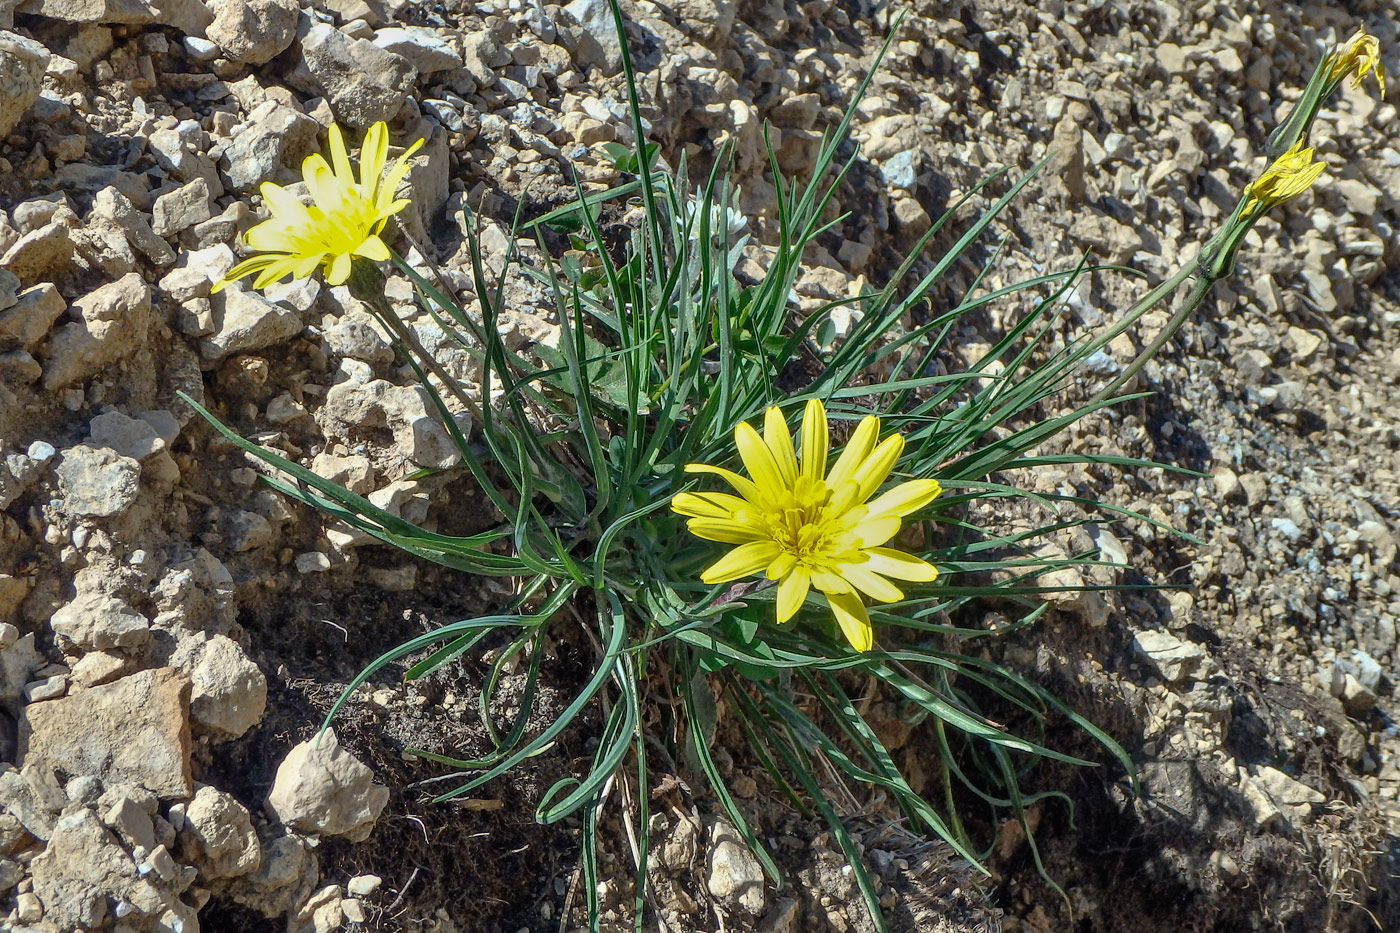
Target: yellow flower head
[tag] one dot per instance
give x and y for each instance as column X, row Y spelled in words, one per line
column 1357, row 57
column 342, row 221
column 803, row 526
column 1289, row 176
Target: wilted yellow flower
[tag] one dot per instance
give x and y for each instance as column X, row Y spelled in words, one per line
column 805, row 527
column 343, row 220
column 1288, row 176
column 1357, row 57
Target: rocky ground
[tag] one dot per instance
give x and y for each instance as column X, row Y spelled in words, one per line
column 171, row 632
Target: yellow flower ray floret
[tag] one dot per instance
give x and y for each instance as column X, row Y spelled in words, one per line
column 805, row 527
column 342, row 222
column 1358, row 57
column 1288, row 176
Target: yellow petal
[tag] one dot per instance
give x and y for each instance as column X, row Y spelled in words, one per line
column 854, row 620
column 726, row 530
column 340, row 159
column 779, row 441
column 745, row 560
column 816, row 436
column 758, row 460
column 905, row 498
column 828, row 582
column 857, row 449
column 372, row 153
column 875, row 469
column 869, row 583
column 792, row 592
column 781, row 566
column 373, row 248
column 901, row 566
column 385, row 203
column 340, row 269
column 742, row 486
column 871, row 532
column 707, row 504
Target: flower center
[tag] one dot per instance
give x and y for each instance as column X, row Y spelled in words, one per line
column 801, row 523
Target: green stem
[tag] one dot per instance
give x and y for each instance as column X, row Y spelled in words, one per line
column 1193, row 300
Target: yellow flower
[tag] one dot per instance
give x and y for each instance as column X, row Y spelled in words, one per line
column 805, row 527
column 1357, row 57
column 342, row 221
column 1289, row 176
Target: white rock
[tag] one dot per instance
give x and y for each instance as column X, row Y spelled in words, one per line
column 253, row 31
column 244, row 321
column 218, row 836
column 33, row 312
column 96, row 622
column 182, row 208
column 270, row 146
column 418, row 436
column 363, row 82
column 735, row 876
column 22, row 65
column 423, row 47
column 598, row 45
column 97, row 482
column 229, row 692
column 321, row 788
column 113, row 324
column 1175, row 660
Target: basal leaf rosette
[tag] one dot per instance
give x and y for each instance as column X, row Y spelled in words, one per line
column 806, row 527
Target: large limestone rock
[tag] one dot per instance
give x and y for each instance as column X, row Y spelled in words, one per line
column 114, row 321
column 218, row 836
column 134, row 730
column 22, row 64
column 253, row 31
column 363, row 82
column 245, row 321
column 321, row 788
column 229, row 692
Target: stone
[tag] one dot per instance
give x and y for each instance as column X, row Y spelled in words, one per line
column 253, row 31
column 218, row 836
column 735, row 877
column 28, row 319
column 422, row 47
column 20, row 799
column 1271, row 795
column 270, row 146
column 113, row 209
column 22, row 65
column 114, row 320
column 97, row 482
column 598, row 43
column 244, row 321
column 97, row 622
column 18, row 661
column 351, row 406
column 363, row 885
column 40, row 255
column 196, row 272
column 363, row 83
column 1174, row 660
column 182, row 208
column 127, row 817
column 84, row 868
column 228, row 691
column 134, row 730
column 321, row 788
column 130, row 437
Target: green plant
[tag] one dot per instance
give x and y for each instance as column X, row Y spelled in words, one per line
column 661, row 353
